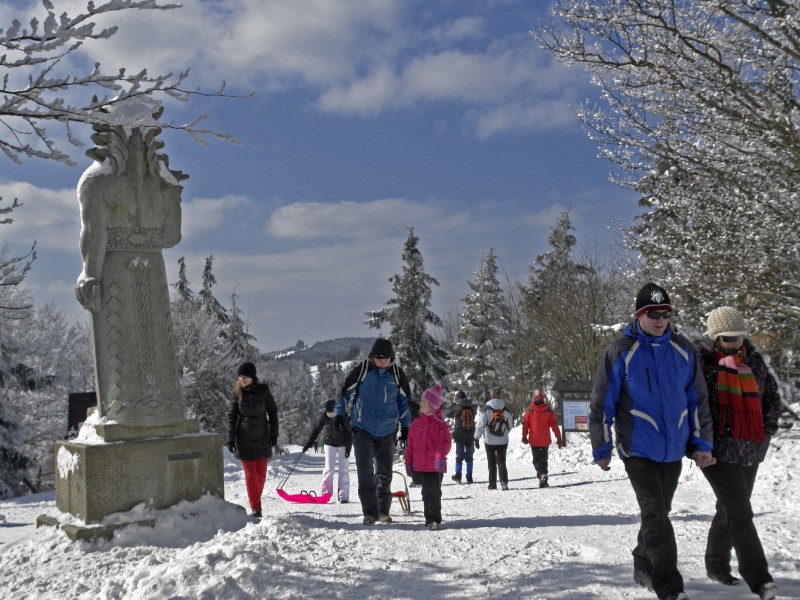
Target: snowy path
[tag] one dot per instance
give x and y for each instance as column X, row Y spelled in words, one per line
column 571, row 541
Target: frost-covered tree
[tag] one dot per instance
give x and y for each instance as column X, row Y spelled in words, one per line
column 567, row 300
column 39, row 86
column 699, row 113
column 207, row 363
column 182, row 286
column 238, row 336
column 207, row 298
column 408, row 314
column 479, row 358
column 292, row 387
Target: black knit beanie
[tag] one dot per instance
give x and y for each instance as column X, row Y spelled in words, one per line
column 652, row 297
column 247, row 369
column 382, row 348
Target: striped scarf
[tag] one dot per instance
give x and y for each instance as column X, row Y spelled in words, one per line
column 739, row 403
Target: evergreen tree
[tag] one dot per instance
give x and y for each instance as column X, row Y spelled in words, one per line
column 182, row 286
column 479, row 356
column 408, row 315
column 238, row 335
column 207, row 299
column 567, row 303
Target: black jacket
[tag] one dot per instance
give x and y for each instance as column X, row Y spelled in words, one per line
column 332, row 437
column 253, row 422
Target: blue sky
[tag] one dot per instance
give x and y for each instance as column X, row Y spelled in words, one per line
column 368, row 116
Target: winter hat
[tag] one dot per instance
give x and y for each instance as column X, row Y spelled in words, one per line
column 330, row 405
column 434, row 396
column 725, row 320
column 538, row 395
column 382, row 348
column 247, row 369
column 460, row 395
column 652, row 297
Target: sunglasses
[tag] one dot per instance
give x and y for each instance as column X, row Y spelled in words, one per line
column 731, row 338
column 655, row 315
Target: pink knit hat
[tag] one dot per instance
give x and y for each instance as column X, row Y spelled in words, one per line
column 434, row 396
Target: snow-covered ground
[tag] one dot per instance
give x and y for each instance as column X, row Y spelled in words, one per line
column 572, row 540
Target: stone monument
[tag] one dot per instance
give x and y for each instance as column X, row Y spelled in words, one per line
column 144, row 450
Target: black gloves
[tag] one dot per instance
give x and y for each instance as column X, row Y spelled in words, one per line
column 306, row 447
column 561, row 442
column 231, row 447
column 403, row 434
column 477, row 444
column 347, row 453
column 338, row 423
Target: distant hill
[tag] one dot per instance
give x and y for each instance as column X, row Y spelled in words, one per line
column 336, row 350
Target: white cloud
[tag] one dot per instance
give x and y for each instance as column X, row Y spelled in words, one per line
column 201, row 215
column 51, row 217
column 373, row 219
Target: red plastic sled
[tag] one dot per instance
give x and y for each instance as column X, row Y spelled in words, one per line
column 303, row 497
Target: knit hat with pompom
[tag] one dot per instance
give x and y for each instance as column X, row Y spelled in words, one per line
column 434, row 396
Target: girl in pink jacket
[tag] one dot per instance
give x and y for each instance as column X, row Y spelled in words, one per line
column 426, row 453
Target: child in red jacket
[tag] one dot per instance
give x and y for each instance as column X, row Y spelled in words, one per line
column 536, row 425
column 426, row 453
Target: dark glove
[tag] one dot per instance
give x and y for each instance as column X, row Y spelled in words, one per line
column 338, row 423
column 477, row 443
column 231, row 447
column 440, row 465
column 306, row 447
column 403, row 434
column 561, row 443
column 347, row 453
column 524, row 440
column 409, row 471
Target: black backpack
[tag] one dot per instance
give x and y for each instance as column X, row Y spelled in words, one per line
column 498, row 425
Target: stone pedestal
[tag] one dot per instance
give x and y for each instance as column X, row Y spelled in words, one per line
column 96, row 480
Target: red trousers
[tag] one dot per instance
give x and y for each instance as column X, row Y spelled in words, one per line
column 255, row 475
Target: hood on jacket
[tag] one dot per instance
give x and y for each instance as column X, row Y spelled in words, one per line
column 633, row 330
column 496, row 403
column 538, row 407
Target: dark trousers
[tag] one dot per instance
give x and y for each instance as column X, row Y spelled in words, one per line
column 496, row 460
column 464, row 453
column 656, row 551
column 540, row 459
column 732, row 525
column 374, row 457
column 431, row 496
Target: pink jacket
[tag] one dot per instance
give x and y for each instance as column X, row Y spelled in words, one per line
column 428, row 439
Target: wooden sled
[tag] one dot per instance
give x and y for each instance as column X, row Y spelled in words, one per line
column 402, row 495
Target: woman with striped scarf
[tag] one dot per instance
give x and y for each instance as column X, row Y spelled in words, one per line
column 745, row 405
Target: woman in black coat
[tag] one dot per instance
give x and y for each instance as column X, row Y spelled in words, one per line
column 252, row 431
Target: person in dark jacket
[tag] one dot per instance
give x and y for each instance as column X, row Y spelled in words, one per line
column 463, row 435
column 378, row 391
column 745, row 407
column 252, row 431
column 649, row 390
column 337, row 448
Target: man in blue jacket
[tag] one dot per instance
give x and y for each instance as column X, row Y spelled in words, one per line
column 650, row 391
column 377, row 392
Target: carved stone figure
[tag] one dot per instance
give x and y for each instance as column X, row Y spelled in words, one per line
column 130, row 205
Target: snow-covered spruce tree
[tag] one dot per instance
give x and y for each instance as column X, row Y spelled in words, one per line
column 565, row 301
column 292, row 387
column 182, row 286
column 38, row 86
column 238, row 336
column 207, row 298
column 206, row 359
column 408, row 315
column 700, row 115
column 479, row 358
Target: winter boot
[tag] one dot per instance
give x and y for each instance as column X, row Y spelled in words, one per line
column 767, row 591
column 456, row 477
column 543, row 481
column 469, row 477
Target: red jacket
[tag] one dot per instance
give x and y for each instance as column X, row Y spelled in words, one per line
column 538, row 418
column 428, row 439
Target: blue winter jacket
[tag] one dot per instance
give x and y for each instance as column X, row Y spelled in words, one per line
column 379, row 404
column 652, row 392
